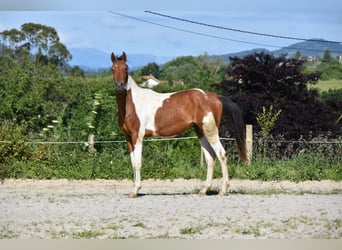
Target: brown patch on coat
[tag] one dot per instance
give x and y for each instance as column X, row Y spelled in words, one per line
column 185, row 108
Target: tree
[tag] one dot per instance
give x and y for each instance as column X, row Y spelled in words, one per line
column 210, row 70
column 40, row 40
column 261, row 79
column 298, row 55
column 151, row 69
column 327, row 58
column 199, row 72
column 32, row 66
column 181, row 68
column 76, row 71
column 330, row 67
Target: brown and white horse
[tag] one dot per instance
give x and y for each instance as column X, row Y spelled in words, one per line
column 143, row 112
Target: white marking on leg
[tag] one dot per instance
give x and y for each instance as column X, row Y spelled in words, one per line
column 136, row 164
column 210, row 160
column 221, row 155
column 211, row 133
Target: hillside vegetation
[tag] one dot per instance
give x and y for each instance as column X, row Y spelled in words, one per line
column 45, row 101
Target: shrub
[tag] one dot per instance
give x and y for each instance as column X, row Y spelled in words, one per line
column 262, row 80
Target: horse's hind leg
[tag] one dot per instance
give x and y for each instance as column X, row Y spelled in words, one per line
column 210, row 131
column 209, row 156
column 221, row 155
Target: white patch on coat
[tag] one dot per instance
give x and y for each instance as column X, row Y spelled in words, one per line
column 200, row 90
column 210, row 129
column 146, row 102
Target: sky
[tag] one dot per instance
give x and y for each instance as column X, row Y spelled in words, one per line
column 118, row 26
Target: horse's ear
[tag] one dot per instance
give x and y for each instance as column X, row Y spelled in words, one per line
column 113, row 57
column 124, row 57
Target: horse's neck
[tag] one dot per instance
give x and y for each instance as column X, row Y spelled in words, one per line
column 131, row 84
column 121, row 101
column 122, row 97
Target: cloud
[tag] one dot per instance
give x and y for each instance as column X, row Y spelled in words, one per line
column 116, row 23
column 175, row 43
column 64, row 38
column 2, row 26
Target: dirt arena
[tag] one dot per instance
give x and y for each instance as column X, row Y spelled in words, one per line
column 101, row 209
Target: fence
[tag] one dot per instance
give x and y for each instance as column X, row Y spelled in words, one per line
column 273, row 159
column 250, row 142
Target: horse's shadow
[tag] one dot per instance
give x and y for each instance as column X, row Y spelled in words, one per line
column 209, row 193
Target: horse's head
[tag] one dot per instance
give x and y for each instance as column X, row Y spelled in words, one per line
column 120, row 70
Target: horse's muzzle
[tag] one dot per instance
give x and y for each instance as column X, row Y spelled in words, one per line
column 120, row 86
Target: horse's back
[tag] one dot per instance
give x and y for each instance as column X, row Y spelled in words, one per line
column 184, row 108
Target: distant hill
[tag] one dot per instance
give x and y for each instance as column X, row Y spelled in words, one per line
column 241, row 54
column 307, row 48
column 92, row 59
column 311, row 48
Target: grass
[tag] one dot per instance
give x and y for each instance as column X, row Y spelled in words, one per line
column 140, row 224
column 252, row 230
column 324, row 85
column 88, row 234
column 301, row 167
column 172, row 160
column 190, row 230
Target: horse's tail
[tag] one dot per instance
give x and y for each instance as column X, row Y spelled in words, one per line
column 232, row 116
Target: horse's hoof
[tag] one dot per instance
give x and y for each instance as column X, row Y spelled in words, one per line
column 202, row 193
column 133, row 195
column 221, row 193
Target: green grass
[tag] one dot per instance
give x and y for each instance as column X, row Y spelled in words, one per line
column 88, row 234
column 324, row 85
column 170, row 160
column 252, row 230
column 139, row 224
column 190, row 230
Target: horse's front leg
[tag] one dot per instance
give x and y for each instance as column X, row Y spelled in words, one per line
column 136, row 165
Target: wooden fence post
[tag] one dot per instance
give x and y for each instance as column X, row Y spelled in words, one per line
column 202, row 157
column 249, row 142
column 91, row 142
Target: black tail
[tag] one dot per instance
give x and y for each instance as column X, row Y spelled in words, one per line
column 232, row 116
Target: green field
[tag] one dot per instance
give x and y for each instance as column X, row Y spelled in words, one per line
column 324, row 85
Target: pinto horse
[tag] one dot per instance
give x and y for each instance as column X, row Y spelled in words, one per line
column 143, row 112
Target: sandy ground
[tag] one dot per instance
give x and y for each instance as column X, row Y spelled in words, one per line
column 60, row 209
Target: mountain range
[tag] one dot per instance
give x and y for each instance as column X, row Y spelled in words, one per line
column 93, row 59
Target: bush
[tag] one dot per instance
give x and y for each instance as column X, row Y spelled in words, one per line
column 331, row 95
column 12, row 146
column 261, row 80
